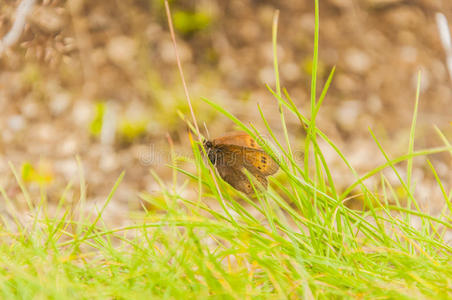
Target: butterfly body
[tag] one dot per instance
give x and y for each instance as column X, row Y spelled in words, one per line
column 233, row 154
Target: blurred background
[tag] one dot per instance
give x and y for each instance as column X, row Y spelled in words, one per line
column 98, row 79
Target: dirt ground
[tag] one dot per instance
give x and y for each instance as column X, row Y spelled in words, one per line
column 98, row 80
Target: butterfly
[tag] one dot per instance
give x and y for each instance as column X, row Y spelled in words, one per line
column 233, row 154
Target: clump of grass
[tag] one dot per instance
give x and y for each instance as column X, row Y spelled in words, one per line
column 95, row 127
column 131, row 129
column 298, row 240
column 188, row 23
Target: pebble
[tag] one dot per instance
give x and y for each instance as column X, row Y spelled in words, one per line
column 438, row 70
column 121, row 50
column 249, row 30
column 357, row 60
column 227, row 64
column 408, row 54
column 267, row 75
column 343, row 4
column 362, row 154
column 59, row 103
column 374, row 103
column 82, row 112
column 166, row 51
column 67, row 167
column 7, row 136
column 30, row 108
column 347, row 113
column 153, row 31
column 108, row 161
column 405, row 16
column 345, row 83
column 266, row 52
column 307, row 23
column 290, row 71
column 75, row 6
column 69, row 146
column 16, row 122
column 46, row 133
column 98, row 57
column 99, row 20
column 265, row 14
column 48, row 19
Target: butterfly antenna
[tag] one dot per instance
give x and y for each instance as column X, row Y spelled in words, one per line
column 207, row 130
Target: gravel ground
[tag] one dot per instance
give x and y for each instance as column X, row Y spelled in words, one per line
column 77, row 59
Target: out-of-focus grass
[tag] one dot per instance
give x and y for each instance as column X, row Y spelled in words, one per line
column 187, row 22
column 95, row 127
column 298, row 240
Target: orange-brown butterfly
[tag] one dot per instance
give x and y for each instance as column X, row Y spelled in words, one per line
column 234, row 153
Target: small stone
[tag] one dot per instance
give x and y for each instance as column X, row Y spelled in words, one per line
column 30, row 108
column 357, row 60
column 290, row 71
column 98, row 57
column 265, row 14
column 408, row 54
column 374, row 103
column 60, row 103
column 266, row 51
column 267, row 75
column 7, row 136
column 121, row 50
column 16, row 122
column 48, row 19
column 46, row 132
column 99, row 20
column 227, row 64
column 307, row 23
column 153, row 31
column 82, row 112
column 67, row 167
column 438, row 70
column 345, row 83
column 250, row 30
column 69, row 146
column 342, row 3
column 407, row 37
column 108, row 162
column 405, row 16
column 166, row 50
column 347, row 114
column 75, row 6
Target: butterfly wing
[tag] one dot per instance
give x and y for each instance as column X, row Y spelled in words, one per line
column 236, row 178
column 231, row 160
column 254, row 160
column 259, row 162
column 242, row 139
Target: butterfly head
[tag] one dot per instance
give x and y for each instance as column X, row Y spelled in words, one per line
column 210, row 149
column 207, row 144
